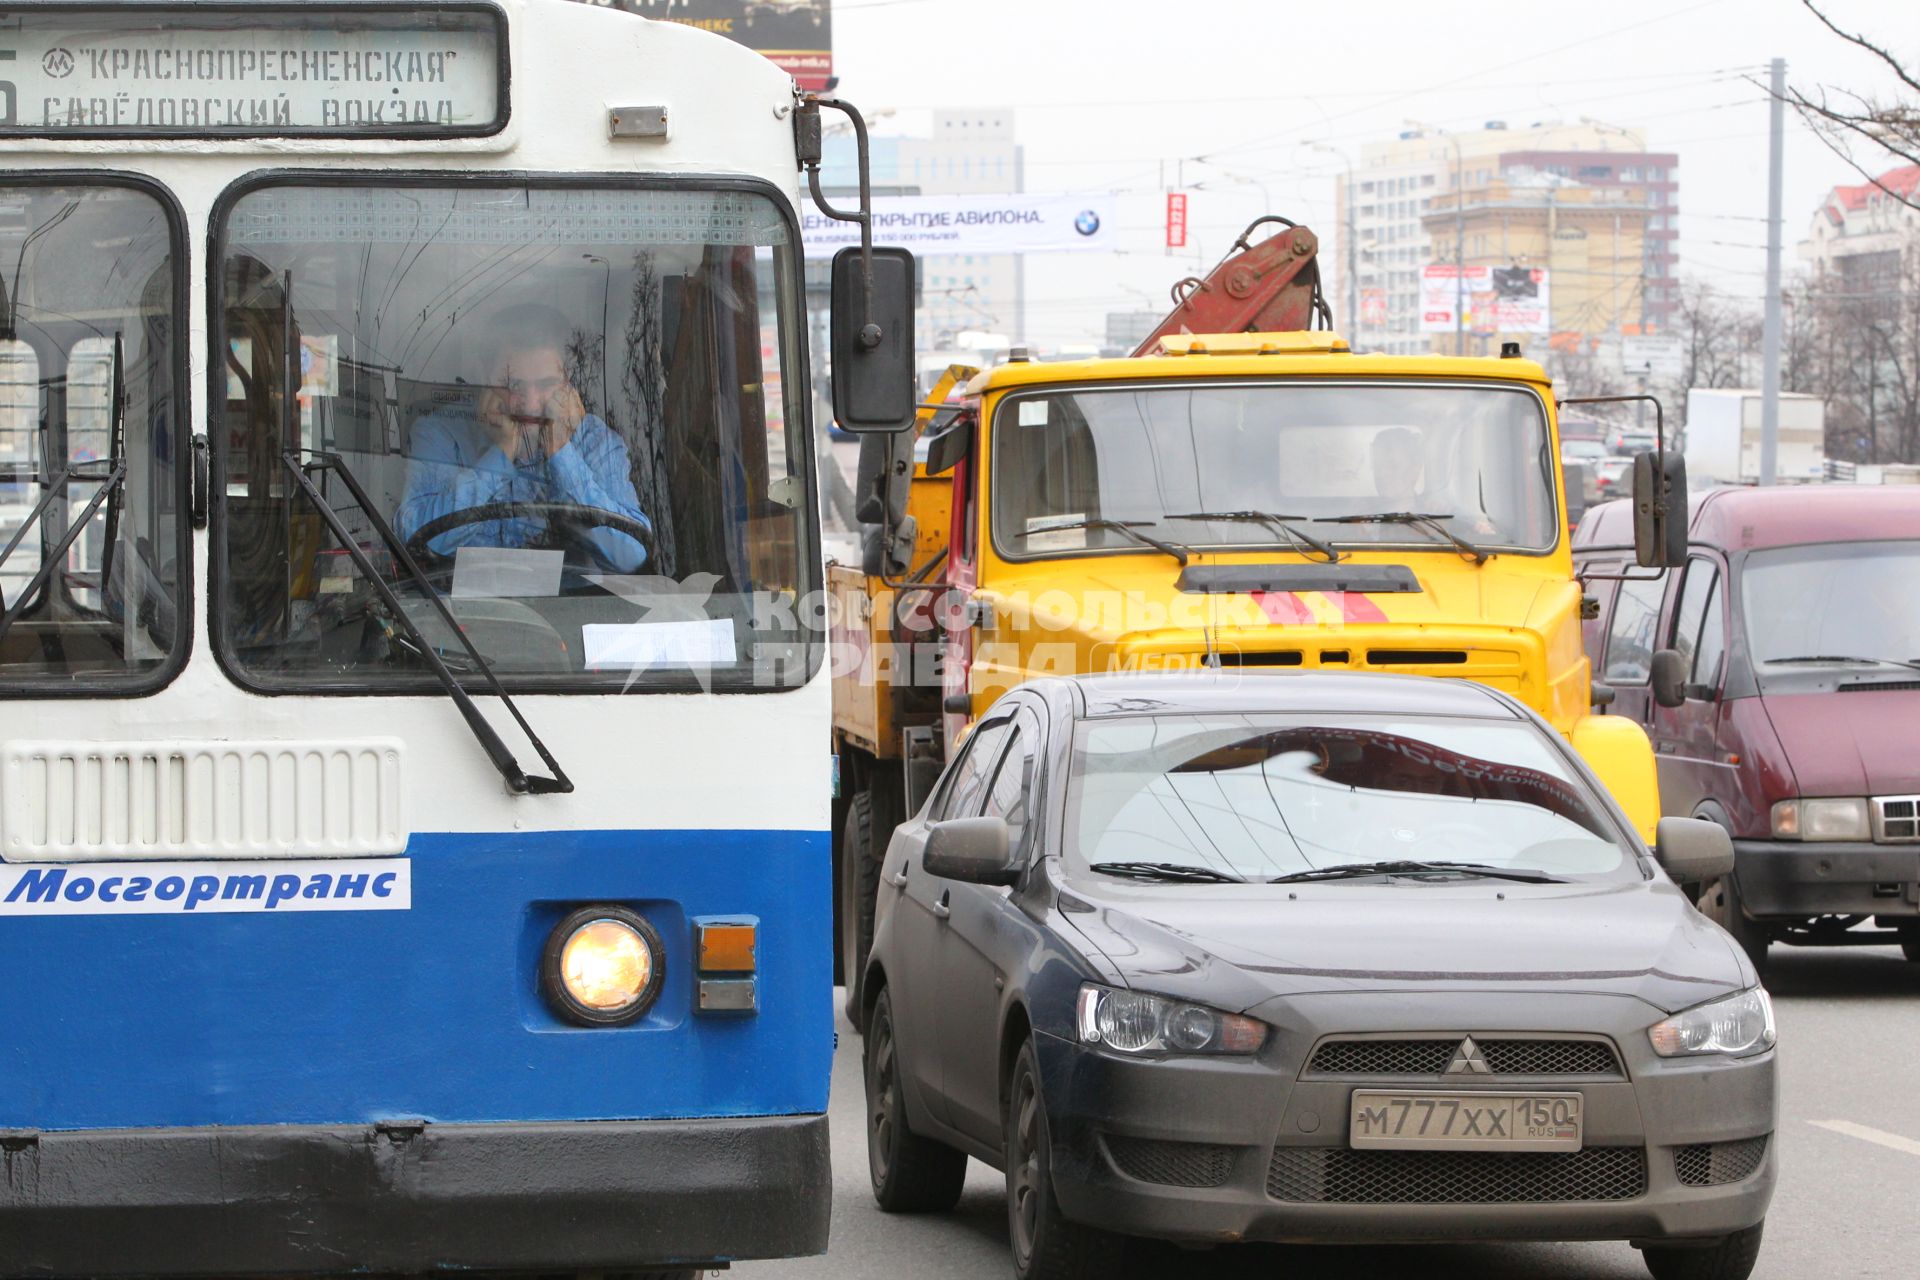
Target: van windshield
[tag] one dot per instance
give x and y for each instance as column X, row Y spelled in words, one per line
column 1840, row 606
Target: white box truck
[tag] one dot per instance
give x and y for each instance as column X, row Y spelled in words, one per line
column 1723, row 437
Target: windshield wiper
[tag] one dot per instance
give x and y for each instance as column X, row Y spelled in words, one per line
column 1169, row 871
column 1842, row 657
column 1130, row 528
column 517, row 779
column 1428, row 520
column 1355, row 870
column 1273, row 520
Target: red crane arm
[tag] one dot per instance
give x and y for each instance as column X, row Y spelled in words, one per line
column 1270, row 287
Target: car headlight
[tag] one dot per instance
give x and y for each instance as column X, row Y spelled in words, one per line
column 1821, row 820
column 1135, row 1022
column 1737, row 1024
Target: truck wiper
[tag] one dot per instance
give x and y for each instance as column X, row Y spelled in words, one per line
column 1130, row 528
column 1175, row 872
column 1842, row 657
column 1430, row 521
column 517, row 779
column 1273, row 520
column 1356, row 870
column 110, row 480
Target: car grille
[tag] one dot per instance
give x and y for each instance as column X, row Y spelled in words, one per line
column 1336, row 1175
column 1896, row 819
column 1711, row 1164
column 1172, row 1164
column 1430, row 1057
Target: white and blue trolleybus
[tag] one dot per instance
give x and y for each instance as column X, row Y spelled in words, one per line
column 413, row 701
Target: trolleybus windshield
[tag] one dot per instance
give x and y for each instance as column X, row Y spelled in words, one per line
column 91, row 511
column 568, row 399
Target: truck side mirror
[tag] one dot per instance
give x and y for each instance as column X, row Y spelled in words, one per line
column 1668, row 675
column 872, row 341
column 1659, row 509
column 1692, row 850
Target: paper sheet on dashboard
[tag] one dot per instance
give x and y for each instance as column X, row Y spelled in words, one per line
column 632, row 646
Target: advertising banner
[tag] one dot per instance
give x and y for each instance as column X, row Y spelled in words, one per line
column 797, row 35
column 1496, row 299
column 972, row 225
column 1176, row 220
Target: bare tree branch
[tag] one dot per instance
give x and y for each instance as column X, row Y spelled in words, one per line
column 1862, row 42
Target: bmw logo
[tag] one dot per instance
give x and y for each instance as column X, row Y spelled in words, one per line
column 1087, row 223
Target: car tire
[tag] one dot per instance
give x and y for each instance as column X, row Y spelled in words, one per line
column 1720, row 903
column 1729, row 1258
column 910, row 1174
column 872, row 814
column 1046, row 1246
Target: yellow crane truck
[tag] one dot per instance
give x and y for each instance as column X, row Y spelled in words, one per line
column 1261, row 501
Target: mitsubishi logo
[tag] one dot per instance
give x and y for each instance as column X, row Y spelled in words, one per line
column 1467, row 1060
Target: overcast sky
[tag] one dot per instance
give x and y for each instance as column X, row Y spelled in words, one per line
column 1220, row 96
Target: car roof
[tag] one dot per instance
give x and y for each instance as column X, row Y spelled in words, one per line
column 1746, row 518
column 1235, row 692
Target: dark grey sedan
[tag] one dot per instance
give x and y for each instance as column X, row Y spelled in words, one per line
column 1309, row 958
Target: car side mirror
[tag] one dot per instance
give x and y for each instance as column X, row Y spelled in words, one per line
column 1659, row 509
column 972, row 850
column 1669, row 677
column 872, row 341
column 1692, row 850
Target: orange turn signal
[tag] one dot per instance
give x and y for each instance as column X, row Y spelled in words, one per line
column 728, row 948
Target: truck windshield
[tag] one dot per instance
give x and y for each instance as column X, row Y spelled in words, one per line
column 1311, row 452
column 1833, row 605
column 89, row 319
column 574, row 404
column 1256, row 797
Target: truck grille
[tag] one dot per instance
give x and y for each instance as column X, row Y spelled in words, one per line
column 1335, row 1175
column 1172, row 1164
column 1712, row 1164
column 1896, row 819
column 1429, row 1057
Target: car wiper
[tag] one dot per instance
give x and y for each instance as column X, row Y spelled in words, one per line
column 1130, row 528
column 1168, row 871
column 1843, row 657
column 517, row 778
column 1431, row 521
column 1356, row 870
column 1273, row 520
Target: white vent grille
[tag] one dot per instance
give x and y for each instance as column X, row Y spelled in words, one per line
column 90, row 801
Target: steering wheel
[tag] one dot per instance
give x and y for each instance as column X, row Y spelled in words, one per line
column 418, row 546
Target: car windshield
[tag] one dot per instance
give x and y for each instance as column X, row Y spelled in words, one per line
column 90, row 436
column 578, row 406
column 1163, row 456
column 1840, row 604
column 1257, row 797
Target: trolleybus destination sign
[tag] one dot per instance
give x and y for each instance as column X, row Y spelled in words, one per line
column 250, row 71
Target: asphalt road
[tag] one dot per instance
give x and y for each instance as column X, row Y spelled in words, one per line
column 1846, row 1206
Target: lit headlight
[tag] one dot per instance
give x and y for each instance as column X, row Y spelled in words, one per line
column 1821, row 820
column 602, row 966
column 1135, row 1022
column 1737, row 1024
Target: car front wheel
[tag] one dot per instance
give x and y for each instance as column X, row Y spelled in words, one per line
column 1729, row 1258
column 911, row 1174
column 1045, row 1245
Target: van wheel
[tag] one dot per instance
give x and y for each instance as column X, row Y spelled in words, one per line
column 872, row 815
column 910, row 1174
column 1720, row 903
column 1729, row 1258
column 1910, row 940
column 1046, row 1246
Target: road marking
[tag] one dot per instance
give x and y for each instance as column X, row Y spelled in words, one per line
column 1879, row 1137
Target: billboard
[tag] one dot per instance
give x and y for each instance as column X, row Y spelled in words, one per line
column 796, row 34
column 1496, row 299
column 972, row 225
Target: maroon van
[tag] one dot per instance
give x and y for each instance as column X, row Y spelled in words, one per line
column 1778, row 674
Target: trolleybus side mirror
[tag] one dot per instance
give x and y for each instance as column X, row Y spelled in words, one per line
column 873, row 370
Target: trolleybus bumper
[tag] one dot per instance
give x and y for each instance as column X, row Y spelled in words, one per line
column 301, row 1200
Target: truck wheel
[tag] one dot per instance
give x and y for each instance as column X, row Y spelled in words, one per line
column 1729, row 1258
column 1720, row 903
column 872, row 815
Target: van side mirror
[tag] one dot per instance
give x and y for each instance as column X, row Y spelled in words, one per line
column 872, row 341
column 1659, row 509
column 1668, row 676
column 1692, row 850
column 973, row 850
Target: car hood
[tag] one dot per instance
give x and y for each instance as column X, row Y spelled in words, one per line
column 1236, row 946
column 1863, row 742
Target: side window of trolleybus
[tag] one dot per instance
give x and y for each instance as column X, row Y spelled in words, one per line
column 569, row 413
column 91, row 515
